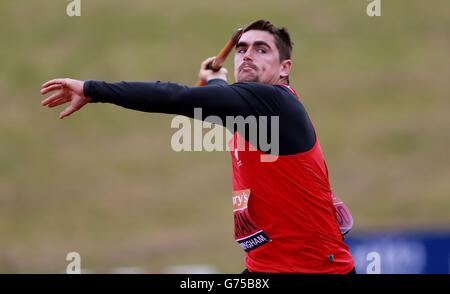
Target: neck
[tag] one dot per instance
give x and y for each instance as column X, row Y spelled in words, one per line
column 283, row 81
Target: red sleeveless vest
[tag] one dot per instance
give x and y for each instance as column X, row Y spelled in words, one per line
column 284, row 215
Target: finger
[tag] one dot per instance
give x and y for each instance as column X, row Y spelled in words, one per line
column 53, row 98
column 207, row 62
column 51, row 88
column 59, row 102
column 53, row 82
column 68, row 111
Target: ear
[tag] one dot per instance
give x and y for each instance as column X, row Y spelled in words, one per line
column 285, row 68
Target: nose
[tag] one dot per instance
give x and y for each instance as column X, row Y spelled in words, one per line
column 248, row 56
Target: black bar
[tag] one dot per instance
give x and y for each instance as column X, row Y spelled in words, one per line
column 223, row 283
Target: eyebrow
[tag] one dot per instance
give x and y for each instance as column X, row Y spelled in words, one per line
column 256, row 43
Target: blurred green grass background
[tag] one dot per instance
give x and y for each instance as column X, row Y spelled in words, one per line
column 105, row 182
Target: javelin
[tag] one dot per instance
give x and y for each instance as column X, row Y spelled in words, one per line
column 223, row 54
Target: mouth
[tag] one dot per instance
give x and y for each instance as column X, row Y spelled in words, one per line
column 247, row 66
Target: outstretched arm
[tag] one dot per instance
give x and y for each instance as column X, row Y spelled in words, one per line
column 217, row 98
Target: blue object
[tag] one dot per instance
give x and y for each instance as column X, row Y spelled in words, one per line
column 401, row 252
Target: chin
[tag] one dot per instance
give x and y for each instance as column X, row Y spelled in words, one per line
column 248, row 79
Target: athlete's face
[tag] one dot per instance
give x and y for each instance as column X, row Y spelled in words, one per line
column 257, row 59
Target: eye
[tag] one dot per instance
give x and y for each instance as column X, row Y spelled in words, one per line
column 240, row 50
column 261, row 50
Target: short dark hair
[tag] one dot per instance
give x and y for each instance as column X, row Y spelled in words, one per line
column 282, row 37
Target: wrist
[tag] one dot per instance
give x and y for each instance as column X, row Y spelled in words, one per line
column 223, row 78
column 217, row 81
column 87, row 90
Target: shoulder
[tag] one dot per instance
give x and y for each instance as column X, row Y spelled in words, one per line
column 267, row 90
column 252, row 86
column 263, row 91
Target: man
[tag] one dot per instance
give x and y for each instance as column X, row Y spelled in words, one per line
column 283, row 209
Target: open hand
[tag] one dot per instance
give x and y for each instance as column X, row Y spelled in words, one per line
column 69, row 90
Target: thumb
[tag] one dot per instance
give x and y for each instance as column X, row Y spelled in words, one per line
column 68, row 111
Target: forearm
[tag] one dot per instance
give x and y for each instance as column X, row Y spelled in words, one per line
column 149, row 97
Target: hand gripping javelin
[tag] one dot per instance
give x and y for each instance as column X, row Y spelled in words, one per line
column 223, row 54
